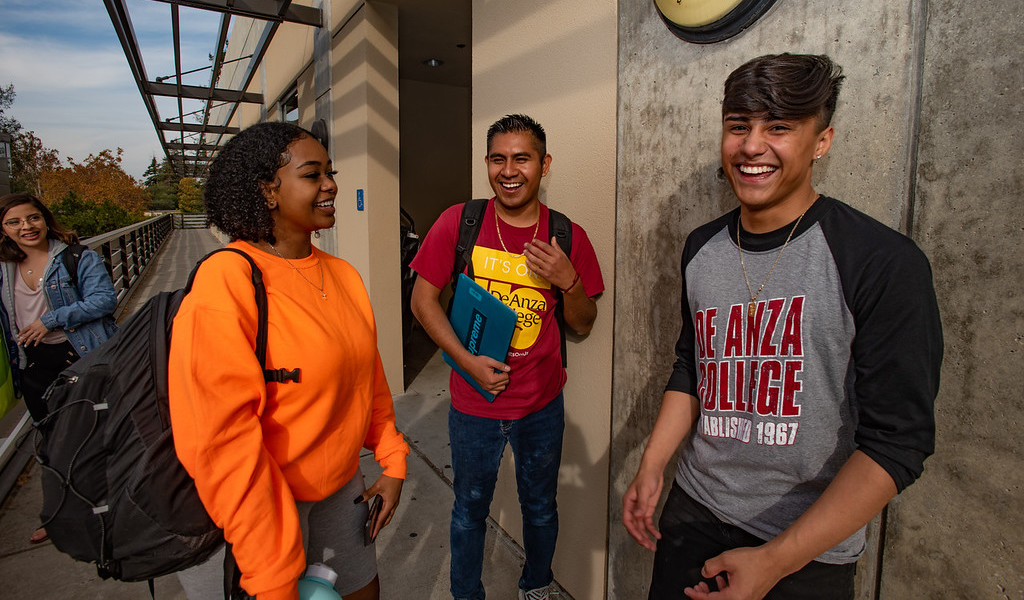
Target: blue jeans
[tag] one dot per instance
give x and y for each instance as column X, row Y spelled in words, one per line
column 477, row 444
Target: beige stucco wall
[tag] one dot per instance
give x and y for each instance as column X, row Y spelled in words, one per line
column 364, row 95
column 563, row 73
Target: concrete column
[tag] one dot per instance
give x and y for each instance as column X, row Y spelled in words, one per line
column 364, row 101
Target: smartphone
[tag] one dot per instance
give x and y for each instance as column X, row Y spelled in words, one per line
column 375, row 504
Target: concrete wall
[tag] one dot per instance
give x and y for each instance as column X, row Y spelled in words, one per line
column 932, row 89
column 959, row 532
column 556, row 62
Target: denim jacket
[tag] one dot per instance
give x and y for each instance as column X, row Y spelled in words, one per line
column 84, row 313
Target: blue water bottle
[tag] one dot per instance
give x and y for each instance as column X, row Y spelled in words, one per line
column 318, row 583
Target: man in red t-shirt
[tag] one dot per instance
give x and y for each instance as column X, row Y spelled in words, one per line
column 517, row 259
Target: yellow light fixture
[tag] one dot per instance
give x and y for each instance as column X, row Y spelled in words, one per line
column 708, row 21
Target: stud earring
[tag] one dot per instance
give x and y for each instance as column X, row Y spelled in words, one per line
column 818, row 157
column 271, row 205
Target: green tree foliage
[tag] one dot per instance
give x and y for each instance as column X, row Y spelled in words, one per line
column 7, row 123
column 162, row 184
column 89, row 218
column 190, row 196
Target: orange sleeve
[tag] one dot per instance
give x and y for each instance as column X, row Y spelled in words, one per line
column 217, row 396
column 388, row 445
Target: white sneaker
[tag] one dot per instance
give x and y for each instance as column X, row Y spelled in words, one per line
column 535, row 594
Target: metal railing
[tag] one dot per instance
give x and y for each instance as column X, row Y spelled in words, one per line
column 128, row 251
column 190, row 220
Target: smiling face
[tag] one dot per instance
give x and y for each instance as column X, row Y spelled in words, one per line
column 768, row 162
column 515, row 168
column 301, row 198
column 25, row 225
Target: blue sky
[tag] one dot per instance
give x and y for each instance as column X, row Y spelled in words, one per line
column 73, row 84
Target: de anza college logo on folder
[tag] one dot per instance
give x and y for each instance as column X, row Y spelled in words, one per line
column 482, row 323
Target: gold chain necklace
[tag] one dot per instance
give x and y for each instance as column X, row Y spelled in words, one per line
column 319, row 288
column 752, row 307
column 497, row 226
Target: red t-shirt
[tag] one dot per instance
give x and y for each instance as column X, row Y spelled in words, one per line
column 536, row 376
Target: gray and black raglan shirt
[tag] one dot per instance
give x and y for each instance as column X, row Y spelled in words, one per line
column 842, row 353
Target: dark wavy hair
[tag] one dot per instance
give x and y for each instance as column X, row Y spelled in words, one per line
column 519, row 124
column 234, row 190
column 785, row 86
column 9, row 250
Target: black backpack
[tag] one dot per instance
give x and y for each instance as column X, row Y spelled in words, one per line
column 114, row 492
column 71, row 256
column 559, row 226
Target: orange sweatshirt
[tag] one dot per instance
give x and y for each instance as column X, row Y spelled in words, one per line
column 254, row 448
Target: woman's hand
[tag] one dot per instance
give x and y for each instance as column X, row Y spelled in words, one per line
column 33, row 333
column 390, row 490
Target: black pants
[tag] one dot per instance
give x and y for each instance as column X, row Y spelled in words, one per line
column 691, row 534
column 45, row 362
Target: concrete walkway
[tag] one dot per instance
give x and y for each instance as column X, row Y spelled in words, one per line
column 413, row 553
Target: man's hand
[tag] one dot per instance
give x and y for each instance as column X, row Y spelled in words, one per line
column 482, row 369
column 548, row 261
column 33, row 333
column 741, row 574
column 638, row 506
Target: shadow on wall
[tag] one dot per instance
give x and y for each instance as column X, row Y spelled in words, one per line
column 647, row 327
column 575, row 490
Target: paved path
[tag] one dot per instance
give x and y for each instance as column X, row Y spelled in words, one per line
column 413, row 552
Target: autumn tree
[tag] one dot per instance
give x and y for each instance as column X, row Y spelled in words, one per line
column 98, row 179
column 29, row 160
column 190, row 196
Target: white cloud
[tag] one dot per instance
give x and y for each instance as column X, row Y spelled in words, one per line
column 74, row 87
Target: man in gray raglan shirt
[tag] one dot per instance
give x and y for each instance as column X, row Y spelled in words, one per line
column 806, row 369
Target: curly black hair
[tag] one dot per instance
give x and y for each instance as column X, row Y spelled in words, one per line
column 234, row 190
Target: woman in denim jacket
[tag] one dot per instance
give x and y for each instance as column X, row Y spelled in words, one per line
column 48, row 322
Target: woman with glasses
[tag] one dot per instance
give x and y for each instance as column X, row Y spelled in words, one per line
column 49, row 317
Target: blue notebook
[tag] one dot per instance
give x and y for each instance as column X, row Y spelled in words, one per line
column 482, row 323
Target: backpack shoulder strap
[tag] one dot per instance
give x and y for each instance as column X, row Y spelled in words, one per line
column 560, row 227
column 260, row 290
column 71, row 256
column 469, row 229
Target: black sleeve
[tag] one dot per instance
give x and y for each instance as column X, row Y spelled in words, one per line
column 897, row 349
column 684, row 371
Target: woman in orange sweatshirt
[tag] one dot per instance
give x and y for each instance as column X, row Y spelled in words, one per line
column 277, row 464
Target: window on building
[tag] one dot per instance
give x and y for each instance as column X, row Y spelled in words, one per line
column 290, row 107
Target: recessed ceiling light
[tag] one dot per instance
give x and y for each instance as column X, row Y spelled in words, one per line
column 433, row 62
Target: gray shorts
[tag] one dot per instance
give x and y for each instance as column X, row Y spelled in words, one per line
column 332, row 534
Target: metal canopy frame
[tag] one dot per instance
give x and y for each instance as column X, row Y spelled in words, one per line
column 192, row 149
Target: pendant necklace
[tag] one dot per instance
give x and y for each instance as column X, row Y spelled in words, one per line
column 497, row 226
column 752, row 307
column 319, row 288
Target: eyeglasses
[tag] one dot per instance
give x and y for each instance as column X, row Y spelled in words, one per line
column 30, row 220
